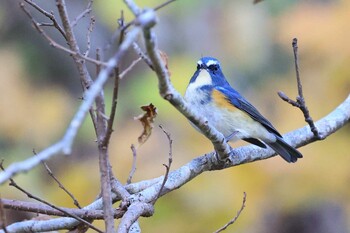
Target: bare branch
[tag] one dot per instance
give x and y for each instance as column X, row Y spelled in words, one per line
column 65, row 144
column 88, row 36
column 82, row 14
column 142, row 55
column 163, row 5
column 73, row 45
column 133, row 166
column 106, row 190
column 232, row 221
column 129, row 68
column 168, row 92
column 300, row 100
column 14, row 184
column 133, row 7
column 48, row 15
column 110, row 122
column 167, row 167
column 121, row 191
column 47, row 210
column 147, row 189
column 60, row 185
column 54, row 43
column 135, row 210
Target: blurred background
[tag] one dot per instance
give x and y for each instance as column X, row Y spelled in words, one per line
column 40, row 92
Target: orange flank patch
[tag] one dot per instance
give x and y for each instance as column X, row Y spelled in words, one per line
column 221, row 100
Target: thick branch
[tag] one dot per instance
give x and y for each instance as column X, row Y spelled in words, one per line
column 149, row 188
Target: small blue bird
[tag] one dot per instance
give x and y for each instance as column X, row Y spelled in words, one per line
column 211, row 96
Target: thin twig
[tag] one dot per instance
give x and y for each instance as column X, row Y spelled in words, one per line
column 167, row 166
column 110, row 121
column 130, row 67
column 133, row 166
column 300, row 100
column 232, row 221
column 88, row 36
column 163, row 5
column 15, row 185
column 60, row 185
column 65, row 144
column 85, row 77
column 144, row 57
column 46, row 24
column 82, row 14
column 124, row 26
column 53, row 43
column 48, row 15
column 47, row 210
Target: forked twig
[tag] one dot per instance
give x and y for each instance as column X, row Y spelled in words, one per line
column 48, row 15
column 53, row 43
column 82, row 14
column 300, row 100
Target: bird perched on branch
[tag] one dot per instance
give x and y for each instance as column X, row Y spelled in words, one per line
column 211, row 96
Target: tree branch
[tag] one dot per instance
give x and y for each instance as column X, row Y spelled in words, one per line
column 232, row 221
column 65, row 144
column 60, row 185
column 48, row 15
column 300, row 100
column 47, row 210
column 14, row 184
column 168, row 92
column 147, row 189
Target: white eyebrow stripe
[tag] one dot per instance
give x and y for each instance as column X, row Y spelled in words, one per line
column 212, row 62
column 199, row 62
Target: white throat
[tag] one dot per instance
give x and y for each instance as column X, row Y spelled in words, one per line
column 203, row 79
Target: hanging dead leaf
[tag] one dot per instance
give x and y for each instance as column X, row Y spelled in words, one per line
column 147, row 120
column 164, row 58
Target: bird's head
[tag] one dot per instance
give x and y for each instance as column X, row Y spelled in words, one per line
column 208, row 74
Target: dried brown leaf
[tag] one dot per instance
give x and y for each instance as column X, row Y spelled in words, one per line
column 147, row 120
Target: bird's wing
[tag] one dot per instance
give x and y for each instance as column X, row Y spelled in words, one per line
column 241, row 103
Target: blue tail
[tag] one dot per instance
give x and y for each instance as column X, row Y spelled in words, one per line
column 286, row 151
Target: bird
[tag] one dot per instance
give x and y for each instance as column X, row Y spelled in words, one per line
column 210, row 95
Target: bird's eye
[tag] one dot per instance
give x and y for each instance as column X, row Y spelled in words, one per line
column 213, row 67
column 199, row 66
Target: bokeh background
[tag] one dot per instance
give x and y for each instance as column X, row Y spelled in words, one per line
column 40, row 91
